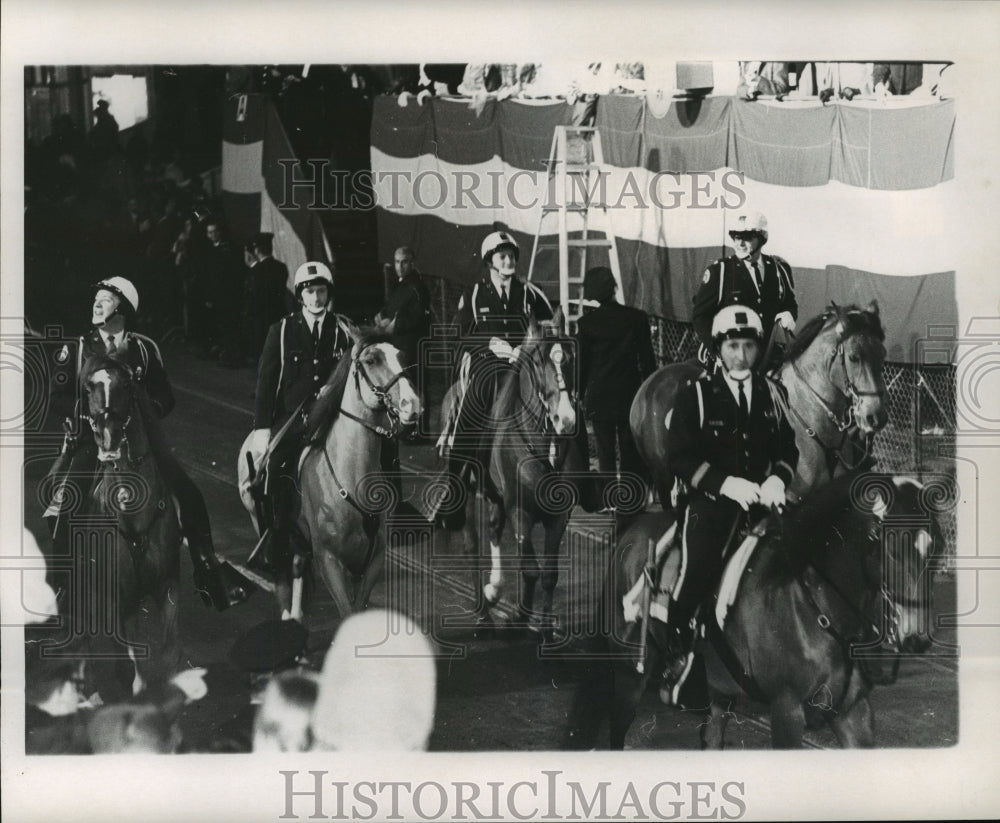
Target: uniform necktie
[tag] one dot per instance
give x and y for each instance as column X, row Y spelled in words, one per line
column 744, row 405
column 755, row 273
column 112, row 346
column 315, row 335
column 503, row 296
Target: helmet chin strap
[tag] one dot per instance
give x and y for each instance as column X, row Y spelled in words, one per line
column 736, row 374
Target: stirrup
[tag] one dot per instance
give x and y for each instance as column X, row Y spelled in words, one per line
column 674, row 676
column 223, row 585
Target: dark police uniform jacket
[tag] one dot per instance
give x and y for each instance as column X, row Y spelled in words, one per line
column 616, row 355
column 410, row 303
column 141, row 355
column 481, row 314
column 728, row 282
column 290, row 372
column 705, row 445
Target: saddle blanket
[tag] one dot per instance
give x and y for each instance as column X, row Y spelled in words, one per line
column 659, row 604
column 732, row 575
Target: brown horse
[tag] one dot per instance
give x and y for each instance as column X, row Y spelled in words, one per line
column 844, row 583
column 835, row 396
column 368, row 401
column 130, row 493
column 838, row 589
column 528, row 470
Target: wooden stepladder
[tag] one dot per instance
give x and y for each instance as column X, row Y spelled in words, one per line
column 576, row 191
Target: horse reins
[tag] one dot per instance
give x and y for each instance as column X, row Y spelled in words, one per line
column 890, row 608
column 381, row 394
column 137, row 545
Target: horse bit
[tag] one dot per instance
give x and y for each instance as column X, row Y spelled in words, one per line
column 381, row 394
column 855, row 394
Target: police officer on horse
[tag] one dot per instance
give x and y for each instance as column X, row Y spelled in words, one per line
column 493, row 317
column 116, row 302
column 299, row 354
column 761, row 282
column 734, row 450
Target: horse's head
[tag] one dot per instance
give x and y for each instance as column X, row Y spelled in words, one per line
column 860, row 350
column 906, row 539
column 107, row 386
column 548, row 372
column 380, row 374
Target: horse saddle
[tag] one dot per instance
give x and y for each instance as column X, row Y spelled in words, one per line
column 732, row 574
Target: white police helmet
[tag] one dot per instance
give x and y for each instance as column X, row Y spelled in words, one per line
column 751, row 221
column 736, row 322
column 121, row 288
column 312, row 274
column 495, row 241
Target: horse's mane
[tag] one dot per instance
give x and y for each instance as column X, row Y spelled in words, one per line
column 827, row 507
column 856, row 321
column 326, row 409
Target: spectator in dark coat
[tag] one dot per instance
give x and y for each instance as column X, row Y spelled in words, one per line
column 409, row 306
column 265, row 295
column 616, row 355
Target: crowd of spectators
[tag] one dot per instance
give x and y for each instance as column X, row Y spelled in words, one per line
column 373, row 690
column 98, row 205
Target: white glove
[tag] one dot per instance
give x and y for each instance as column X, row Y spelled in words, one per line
column 741, row 491
column 501, row 348
column 785, row 320
column 192, row 683
column 772, row 492
column 259, row 438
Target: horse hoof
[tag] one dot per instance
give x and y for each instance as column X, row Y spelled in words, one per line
column 484, row 627
column 491, row 594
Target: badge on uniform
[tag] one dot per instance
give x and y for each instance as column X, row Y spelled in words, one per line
column 706, row 276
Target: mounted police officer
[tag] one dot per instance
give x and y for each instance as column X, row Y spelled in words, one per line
column 115, row 304
column 493, row 317
column 748, row 278
column 299, row 354
column 734, row 451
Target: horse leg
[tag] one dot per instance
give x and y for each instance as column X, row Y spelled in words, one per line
column 788, row 721
column 371, row 575
column 498, row 519
column 855, row 728
column 169, row 635
column 529, row 570
column 713, row 730
column 854, row 724
column 555, row 528
column 628, row 688
column 336, row 578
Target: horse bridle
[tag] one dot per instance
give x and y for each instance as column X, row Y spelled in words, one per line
column 888, row 605
column 96, row 429
column 381, row 395
column 854, row 394
column 560, row 385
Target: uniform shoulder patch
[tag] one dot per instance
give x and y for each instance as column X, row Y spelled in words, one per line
column 706, row 276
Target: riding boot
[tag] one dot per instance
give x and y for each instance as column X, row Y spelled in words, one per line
column 218, row 582
column 680, row 655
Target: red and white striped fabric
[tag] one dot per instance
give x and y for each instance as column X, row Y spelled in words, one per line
column 860, row 198
column 256, row 160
